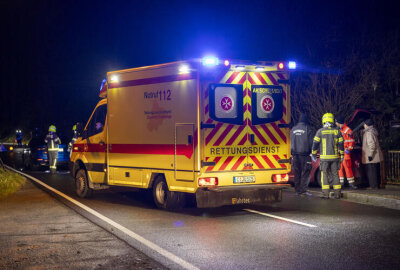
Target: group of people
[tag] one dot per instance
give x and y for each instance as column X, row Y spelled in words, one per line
column 53, row 141
column 334, row 143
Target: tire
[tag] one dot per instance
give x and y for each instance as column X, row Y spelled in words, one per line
column 318, row 178
column 165, row 199
column 82, row 184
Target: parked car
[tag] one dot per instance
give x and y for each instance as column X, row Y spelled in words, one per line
column 356, row 124
column 35, row 155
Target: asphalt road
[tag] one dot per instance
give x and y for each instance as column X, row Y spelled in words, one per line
column 346, row 235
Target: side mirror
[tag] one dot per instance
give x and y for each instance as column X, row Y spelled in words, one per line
column 84, row 134
column 79, row 129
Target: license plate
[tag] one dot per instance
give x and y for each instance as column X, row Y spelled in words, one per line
column 244, row 179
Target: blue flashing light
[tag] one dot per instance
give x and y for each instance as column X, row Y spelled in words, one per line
column 210, row 61
column 292, row 65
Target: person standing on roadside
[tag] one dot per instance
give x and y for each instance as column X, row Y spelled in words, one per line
column 329, row 142
column 52, row 142
column 371, row 154
column 345, row 166
column 301, row 139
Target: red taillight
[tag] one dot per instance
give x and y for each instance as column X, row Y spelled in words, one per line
column 279, row 178
column 281, row 65
column 208, row 181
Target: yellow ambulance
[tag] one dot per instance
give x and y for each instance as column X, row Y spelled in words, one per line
column 216, row 130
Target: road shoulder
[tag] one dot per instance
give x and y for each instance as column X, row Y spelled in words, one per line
column 40, row 232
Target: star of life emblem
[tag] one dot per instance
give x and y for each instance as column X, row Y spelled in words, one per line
column 227, row 103
column 267, row 104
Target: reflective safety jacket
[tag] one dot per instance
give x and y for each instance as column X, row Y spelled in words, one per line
column 71, row 143
column 52, row 141
column 348, row 137
column 329, row 142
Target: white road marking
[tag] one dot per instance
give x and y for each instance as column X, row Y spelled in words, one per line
column 281, row 218
column 135, row 236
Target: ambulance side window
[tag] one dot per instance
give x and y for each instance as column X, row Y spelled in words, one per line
column 226, row 103
column 97, row 122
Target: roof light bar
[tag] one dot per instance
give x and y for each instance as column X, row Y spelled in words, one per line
column 184, row 69
column 292, row 65
column 114, row 79
column 210, row 61
column 240, row 67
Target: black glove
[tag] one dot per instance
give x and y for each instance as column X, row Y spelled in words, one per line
column 369, row 158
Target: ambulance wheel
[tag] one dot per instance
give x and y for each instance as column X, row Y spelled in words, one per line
column 163, row 198
column 82, row 184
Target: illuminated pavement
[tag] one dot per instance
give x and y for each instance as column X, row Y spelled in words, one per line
column 347, row 235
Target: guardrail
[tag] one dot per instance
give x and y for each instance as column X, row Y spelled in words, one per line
column 393, row 167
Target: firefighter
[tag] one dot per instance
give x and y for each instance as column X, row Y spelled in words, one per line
column 74, row 138
column 301, row 137
column 345, row 166
column 52, row 142
column 329, row 142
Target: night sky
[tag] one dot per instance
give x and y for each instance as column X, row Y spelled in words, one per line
column 55, row 53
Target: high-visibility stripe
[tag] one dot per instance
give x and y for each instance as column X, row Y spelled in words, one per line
column 317, row 139
column 314, row 152
column 223, row 135
column 278, row 158
column 335, row 143
column 279, row 131
column 349, row 140
column 335, row 132
column 328, row 156
column 213, row 132
column 323, row 186
column 337, row 186
column 237, row 163
column 323, row 147
column 226, row 163
column 268, row 161
column 270, row 135
column 257, row 162
column 53, row 149
column 235, row 135
column 341, row 139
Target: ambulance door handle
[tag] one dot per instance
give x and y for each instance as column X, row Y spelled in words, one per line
column 190, row 139
column 252, row 138
column 101, row 143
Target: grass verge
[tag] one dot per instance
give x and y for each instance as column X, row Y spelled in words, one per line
column 10, row 182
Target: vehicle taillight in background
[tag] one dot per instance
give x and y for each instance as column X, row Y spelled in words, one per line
column 280, row 178
column 208, row 181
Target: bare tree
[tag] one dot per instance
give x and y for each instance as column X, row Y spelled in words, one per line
column 334, row 90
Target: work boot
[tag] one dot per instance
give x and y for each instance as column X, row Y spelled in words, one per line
column 325, row 194
column 338, row 195
column 353, row 186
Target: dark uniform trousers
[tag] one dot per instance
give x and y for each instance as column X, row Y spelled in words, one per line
column 302, row 168
column 53, row 155
column 330, row 177
column 373, row 174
